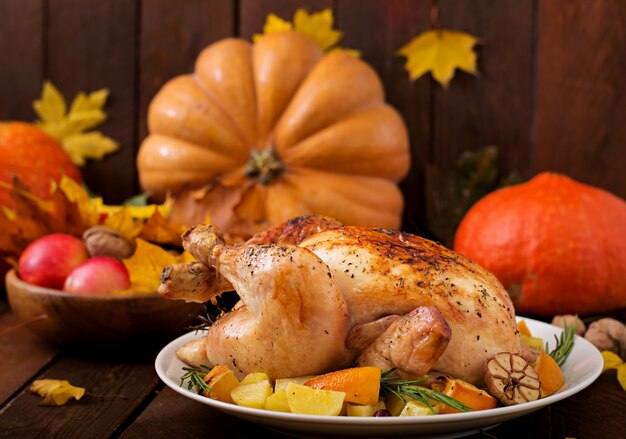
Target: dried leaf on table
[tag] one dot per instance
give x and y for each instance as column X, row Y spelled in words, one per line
column 56, row 392
column 318, row 26
column 613, row 361
column 86, row 112
column 440, row 52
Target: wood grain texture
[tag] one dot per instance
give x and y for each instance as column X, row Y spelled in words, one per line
column 252, row 13
column 579, row 417
column 171, row 415
column 581, row 99
column 173, row 33
column 496, row 107
column 21, row 57
column 91, row 45
column 116, row 384
column 23, row 354
column 378, row 30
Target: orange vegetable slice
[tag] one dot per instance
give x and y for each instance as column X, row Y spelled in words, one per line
column 523, row 328
column 221, row 380
column 550, row 374
column 468, row 394
column 360, row 384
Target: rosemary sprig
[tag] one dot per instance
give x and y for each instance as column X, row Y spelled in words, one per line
column 195, row 378
column 205, row 321
column 392, row 384
column 564, row 344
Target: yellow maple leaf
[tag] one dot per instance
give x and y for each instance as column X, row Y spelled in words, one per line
column 75, row 193
column 146, row 264
column 440, row 52
column 273, row 23
column 69, row 128
column 613, row 361
column 56, row 392
column 318, row 26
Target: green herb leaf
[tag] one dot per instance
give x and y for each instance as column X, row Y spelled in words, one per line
column 394, row 385
column 564, row 344
column 195, row 378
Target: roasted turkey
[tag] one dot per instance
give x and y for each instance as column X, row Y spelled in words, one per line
column 317, row 296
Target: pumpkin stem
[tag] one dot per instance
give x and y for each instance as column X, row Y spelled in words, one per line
column 264, row 165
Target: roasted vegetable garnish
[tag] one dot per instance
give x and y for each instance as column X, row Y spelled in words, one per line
column 394, row 385
column 195, row 378
column 564, row 344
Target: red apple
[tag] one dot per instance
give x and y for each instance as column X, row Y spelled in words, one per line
column 96, row 275
column 48, row 260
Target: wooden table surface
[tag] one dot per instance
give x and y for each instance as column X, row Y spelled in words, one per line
column 126, row 399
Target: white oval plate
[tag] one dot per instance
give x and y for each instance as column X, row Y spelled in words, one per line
column 581, row 369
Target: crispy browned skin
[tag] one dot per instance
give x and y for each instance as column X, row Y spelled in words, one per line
column 295, row 230
column 411, row 344
column 381, row 272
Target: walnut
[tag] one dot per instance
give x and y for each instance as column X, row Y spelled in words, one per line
column 608, row 335
column 102, row 241
column 570, row 320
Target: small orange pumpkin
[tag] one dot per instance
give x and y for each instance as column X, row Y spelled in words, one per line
column 263, row 132
column 558, row 246
column 34, row 157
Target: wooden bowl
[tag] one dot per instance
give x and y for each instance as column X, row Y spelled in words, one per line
column 82, row 319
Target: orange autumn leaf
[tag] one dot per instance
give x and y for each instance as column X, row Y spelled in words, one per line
column 31, row 218
column 159, row 230
column 71, row 210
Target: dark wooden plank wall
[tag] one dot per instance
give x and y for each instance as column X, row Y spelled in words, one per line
column 550, row 94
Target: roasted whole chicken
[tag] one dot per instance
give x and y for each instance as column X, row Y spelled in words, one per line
column 318, row 296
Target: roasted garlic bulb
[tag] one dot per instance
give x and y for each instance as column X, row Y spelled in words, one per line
column 511, row 379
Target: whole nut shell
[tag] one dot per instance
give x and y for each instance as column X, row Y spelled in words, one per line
column 102, row 241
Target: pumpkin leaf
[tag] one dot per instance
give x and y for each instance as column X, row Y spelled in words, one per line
column 86, row 112
column 440, row 52
column 56, row 392
column 146, row 264
column 317, row 26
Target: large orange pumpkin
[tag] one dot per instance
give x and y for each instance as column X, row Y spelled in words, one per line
column 34, row 157
column 557, row 245
column 266, row 131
